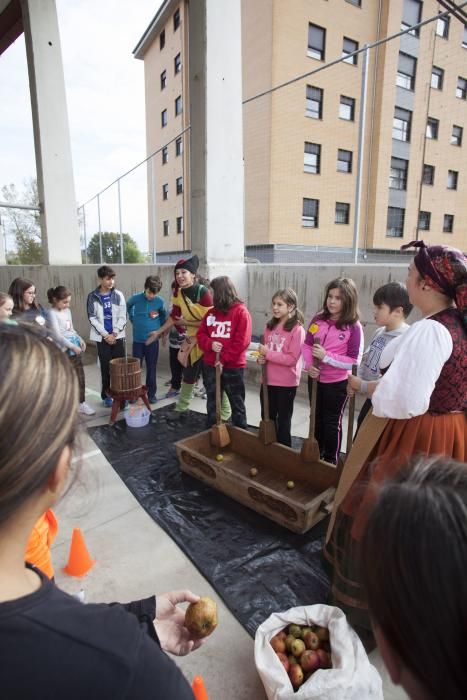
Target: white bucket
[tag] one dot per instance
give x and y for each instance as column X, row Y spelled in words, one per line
column 137, row 415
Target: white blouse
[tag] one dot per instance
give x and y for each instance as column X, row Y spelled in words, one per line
column 420, row 354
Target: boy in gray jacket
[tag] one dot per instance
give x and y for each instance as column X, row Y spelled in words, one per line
column 106, row 310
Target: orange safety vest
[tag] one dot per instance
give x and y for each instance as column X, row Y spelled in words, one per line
column 40, row 541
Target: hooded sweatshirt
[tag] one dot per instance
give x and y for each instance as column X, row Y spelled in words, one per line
column 232, row 329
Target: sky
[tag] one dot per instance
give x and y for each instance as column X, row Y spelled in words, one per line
column 105, row 96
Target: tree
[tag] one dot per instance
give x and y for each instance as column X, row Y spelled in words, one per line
column 24, row 224
column 111, row 249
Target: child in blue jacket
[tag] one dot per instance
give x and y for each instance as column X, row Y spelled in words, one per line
column 147, row 313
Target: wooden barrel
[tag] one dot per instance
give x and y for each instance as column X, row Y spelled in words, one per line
column 125, row 374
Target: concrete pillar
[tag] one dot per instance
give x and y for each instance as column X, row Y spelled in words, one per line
column 216, row 152
column 60, row 231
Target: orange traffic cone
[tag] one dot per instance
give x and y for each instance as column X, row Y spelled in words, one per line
column 79, row 559
column 198, row 688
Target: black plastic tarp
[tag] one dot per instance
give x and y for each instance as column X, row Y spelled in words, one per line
column 256, row 566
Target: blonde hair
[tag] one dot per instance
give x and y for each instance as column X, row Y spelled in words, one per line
column 4, row 297
column 38, row 398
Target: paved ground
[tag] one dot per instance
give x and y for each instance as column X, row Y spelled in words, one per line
column 135, row 558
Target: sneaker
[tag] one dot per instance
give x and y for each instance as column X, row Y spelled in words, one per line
column 86, row 409
column 152, row 399
column 108, row 401
column 172, row 393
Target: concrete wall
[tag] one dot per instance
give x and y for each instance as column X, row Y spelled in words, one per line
column 262, row 282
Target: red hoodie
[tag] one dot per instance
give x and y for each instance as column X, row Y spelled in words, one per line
column 232, row 329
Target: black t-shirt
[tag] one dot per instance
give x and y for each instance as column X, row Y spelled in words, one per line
column 53, row 647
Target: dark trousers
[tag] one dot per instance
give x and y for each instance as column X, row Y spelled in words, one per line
column 361, row 416
column 176, row 369
column 78, row 365
column 330, row 404
column 106, row 353
column 190, row 373
column 233, row 385
column 281, row 400
column 148, row 353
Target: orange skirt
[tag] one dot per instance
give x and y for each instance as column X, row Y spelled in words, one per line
column 425, row 435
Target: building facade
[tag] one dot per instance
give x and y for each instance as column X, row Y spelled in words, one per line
column 350, row 150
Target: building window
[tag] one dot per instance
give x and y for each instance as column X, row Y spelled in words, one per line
column 163, row 79
column 456, row 136
column 424, row 219
column 401, row 124
column 453, row 176
column 395, row 226
column 176, row 19
column 428, row 174
column 406, row 68
column 310, row 214
column 178, row 146
column 411, row 14
column 442, row 27
column 162, row 39
column 179, row 185
column 314, row 102
column 165, row 225
column 177, row 64
column 178, row 105
column 316, row 41
column 312, row 158
column 432, row 128
column 165, row 155
column 398, row 174
column 165, row 191
column 348, row 47
column 342, row 213
column 437, row 78
column 448, row 223
column 461, row 90
column 464, row 38
column 344, row 161
column 179, row 224
column 347, row 108
column 164, row 118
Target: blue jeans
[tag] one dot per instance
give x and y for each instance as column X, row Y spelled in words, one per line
column 149, row 353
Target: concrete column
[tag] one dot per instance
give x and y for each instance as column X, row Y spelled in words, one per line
column 216, row 155
column 60, row 232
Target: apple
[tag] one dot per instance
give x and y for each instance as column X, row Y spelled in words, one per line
column 298, row 647
column 220, row 457
column 290, row 485
column 253, row 472
column 324, row 658
column 296, row 630
column 278, row 644
column 282, row 635
column 201, row 617
column 309, row 660
column 311, row 640
column 322, row 634
column 292, row 659
column 284, row 660
column 305, row 630
column 296, row 676
column 289, row 640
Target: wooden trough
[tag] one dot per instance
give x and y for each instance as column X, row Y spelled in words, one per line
column 297, row 509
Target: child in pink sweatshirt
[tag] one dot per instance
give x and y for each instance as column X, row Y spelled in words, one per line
column 333, row 343
column 282, row 351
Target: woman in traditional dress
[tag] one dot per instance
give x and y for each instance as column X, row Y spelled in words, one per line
column 418, row 408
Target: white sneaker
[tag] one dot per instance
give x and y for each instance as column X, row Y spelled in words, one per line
column 86, row 409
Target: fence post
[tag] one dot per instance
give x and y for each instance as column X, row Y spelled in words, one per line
column 99, row 222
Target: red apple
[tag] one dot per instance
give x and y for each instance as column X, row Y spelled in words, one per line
column 324, row 658
column 296, row 676
column 284, row 660
column 311, row 640
column 278, row 644
column 309, row 660
column 282, row 635
column 298, row 647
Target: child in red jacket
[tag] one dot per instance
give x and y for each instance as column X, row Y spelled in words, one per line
column 226, row 329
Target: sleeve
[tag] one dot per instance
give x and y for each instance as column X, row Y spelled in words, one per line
column 293, row 351
column 54, row 328
column 162, row 312
column 130, row 307
column 205, row 298
column 354, row 350
column 176, row 311
column 203, row 337
column 241, row 336
column 405, row 390
column 93, row 320
column 120, row 322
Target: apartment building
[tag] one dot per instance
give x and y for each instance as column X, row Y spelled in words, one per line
column 364, row 149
